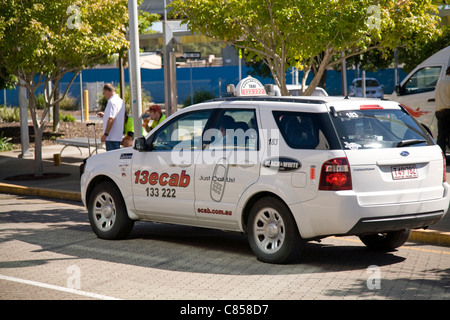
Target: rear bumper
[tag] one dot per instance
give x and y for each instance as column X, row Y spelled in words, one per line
column 340, row 213
column 392, row 223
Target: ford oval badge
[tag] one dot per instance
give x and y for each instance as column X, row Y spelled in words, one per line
column 404, row 153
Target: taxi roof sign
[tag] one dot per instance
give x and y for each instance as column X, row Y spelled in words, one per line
column 247, row 87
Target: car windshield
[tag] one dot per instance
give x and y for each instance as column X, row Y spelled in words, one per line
column 379, row 128
column 369, row 83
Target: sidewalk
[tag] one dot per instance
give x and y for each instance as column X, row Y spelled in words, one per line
column 63, row 182
column 60, row 182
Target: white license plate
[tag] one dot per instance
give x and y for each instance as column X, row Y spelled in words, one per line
column 404, row 172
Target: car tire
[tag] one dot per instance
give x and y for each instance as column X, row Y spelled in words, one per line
column 272, row 232
column 386, row 241
column 107, row 212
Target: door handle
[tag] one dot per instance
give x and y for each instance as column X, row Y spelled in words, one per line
column 243, row 164
column 181, row 165
column 432, row 100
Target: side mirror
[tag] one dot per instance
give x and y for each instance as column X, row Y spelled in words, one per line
column 139, row 144
column 399, row 90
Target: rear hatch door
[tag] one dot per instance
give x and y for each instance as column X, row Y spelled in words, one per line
column 392, row 158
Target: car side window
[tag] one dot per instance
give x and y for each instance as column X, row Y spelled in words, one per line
column 183, row 132
column 302, row 130
column 422, row 80
column 234, row 129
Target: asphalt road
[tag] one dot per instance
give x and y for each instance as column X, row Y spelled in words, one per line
column 48, row 252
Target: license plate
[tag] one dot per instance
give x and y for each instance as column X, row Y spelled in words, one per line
column 404, row 172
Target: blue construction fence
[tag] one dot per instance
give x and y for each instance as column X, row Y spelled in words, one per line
column 211, row 79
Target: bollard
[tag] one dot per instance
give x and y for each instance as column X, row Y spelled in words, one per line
column 86, row 105
column 56, row 159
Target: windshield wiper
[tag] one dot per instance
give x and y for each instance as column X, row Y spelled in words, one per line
column 410, row 142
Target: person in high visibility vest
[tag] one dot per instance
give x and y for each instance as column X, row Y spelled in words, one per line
column 156, row 115
column 128, row 131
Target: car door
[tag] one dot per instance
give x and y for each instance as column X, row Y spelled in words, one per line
column 417, row 95
column 163, row 181
column 229, row 164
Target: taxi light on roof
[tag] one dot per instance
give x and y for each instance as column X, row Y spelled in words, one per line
column 370, row 107
column 250, row 87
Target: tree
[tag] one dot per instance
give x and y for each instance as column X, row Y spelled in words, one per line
column 8, row 81
column 42, row 40
column 412, row 57
column 310, row 34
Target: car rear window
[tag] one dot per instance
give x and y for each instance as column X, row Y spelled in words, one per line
column 379, row 128
column 304, row 130
column 369, row 83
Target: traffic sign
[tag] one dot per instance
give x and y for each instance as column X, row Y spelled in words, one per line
column 192, row 55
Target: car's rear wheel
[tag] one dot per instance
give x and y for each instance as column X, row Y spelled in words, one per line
column 386, row 241
column 272, row 232
column 107, row 212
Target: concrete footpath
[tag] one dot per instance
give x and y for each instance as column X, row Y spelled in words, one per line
column 63, row 182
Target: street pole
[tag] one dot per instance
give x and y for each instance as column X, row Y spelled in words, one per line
column 344, row 75
column 135, row 81
column 363, row 83
column 81, row 96
column 170, row 71
column 395, row 67
column 240, row 64
column 192, row 87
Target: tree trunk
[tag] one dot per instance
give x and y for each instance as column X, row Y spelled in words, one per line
column 322, row 68
column 38, row 130
column 306, row 72
column 38, row 166
column 278, row 69
column 56, row 107
column 24, row 133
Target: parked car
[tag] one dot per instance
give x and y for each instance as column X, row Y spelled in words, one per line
column 282, row 170
column 373, row 88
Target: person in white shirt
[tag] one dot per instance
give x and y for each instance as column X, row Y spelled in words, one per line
column 443, row 110
column 112, row 118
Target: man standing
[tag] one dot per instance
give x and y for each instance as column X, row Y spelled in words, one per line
column 443, row 110
column 113, row 118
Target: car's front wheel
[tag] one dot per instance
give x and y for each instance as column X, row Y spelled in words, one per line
column 107, row 212
column 386, row 241
column 272, row 232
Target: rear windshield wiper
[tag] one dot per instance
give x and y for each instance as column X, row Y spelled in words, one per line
column 410, row 142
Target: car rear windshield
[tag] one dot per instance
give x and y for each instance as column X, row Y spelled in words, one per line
column 369, row 83
column 379, row 128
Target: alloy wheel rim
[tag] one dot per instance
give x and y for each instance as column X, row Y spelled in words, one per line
column 269, row 230
column 104, row 211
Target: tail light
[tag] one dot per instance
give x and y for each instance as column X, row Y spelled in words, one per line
column 335, row 175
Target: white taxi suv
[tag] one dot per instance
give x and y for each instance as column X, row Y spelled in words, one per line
column 282, row 170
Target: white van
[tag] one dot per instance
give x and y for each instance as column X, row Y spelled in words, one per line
column 416, row 92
